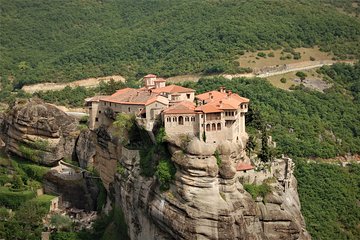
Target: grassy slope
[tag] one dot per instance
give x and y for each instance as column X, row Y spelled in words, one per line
column 62, row 41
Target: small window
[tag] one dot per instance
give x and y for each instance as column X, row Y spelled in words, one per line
column 219, row 126
column 186, row 119
column 188, row 96
column 110, row 104
column 207, row 127
column 168, row 119
column 105, row 103
column 129, row 109
column 213, row 127
column 174, row 119
column 99, row 111
column 96, row 119
column 193, row 119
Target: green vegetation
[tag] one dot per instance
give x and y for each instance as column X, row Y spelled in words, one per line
column 218, row 158
column 329, row 196
column 26, row 223
column 81, row 39
column 283, row 80
column 165, row 173
column 13, row 199
column 301, row 75
column 257, row 190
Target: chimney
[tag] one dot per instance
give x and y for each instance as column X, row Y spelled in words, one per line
column 222, row 89
column 229, row 93
column 211, row 96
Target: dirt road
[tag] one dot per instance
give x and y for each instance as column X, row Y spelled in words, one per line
column 89, row 82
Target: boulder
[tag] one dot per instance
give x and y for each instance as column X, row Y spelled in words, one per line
column 39, row 132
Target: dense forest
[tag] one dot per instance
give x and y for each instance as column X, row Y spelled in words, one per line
column 62, row 41
column 329, row 196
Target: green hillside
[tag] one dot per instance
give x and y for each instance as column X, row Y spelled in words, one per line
column 67, row 40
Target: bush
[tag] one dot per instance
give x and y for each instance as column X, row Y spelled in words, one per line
column 283, row 80
column 13, row 200
column 218, row 158
column 297, row 55
column 312, row 58
column 62, row 223
column 271, row 54
column 165, row 173
column 261, row 54
column 257, row 190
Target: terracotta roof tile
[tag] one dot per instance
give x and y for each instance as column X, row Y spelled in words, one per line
column 130, row 96
column 208, row 108
column 173, row 89
column 160, row 99
column 244, row 166
column 185, row 107
column 150, row 76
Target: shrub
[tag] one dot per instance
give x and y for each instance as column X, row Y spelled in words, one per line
column 283, row 80
column 261, row 54
column 312, row 58
column 271, row 54
column 61, row 222
column 301, row 75
column 218, row 158
column 165, row 173
column 297, row 55
column 257, row 190
column 13, row 200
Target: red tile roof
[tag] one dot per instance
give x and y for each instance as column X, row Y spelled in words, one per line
column 160, row 99
column 184, row 107
column 216, row 101
column 150, row 76
column 173, row 89
column 208, row 108
column 130, row 96
column 244, row 166
column 211, row 95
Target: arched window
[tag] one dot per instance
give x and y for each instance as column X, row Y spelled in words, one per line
column 174, row 119
column 208, row 127
column 129, row 109
column 193, row 119
column 219, row 126
column 186, row 119
column 168, row 119
column 213, row 127
column 181, row 120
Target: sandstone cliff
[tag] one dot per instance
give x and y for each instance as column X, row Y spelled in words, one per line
column 39, row 132
column 206, row 201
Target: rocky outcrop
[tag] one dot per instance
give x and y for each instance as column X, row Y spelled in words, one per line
column 81, row 192
column 206, row 201
column 39, row 132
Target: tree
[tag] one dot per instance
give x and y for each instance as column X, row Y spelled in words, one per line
column 301, row 75
column 250, row 145
column 123, row 124
column 265, row 153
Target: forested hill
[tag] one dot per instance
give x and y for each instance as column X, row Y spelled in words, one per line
column 66, row 40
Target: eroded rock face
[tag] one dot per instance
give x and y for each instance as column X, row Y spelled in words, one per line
column 206, row 201
column 39, row 132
